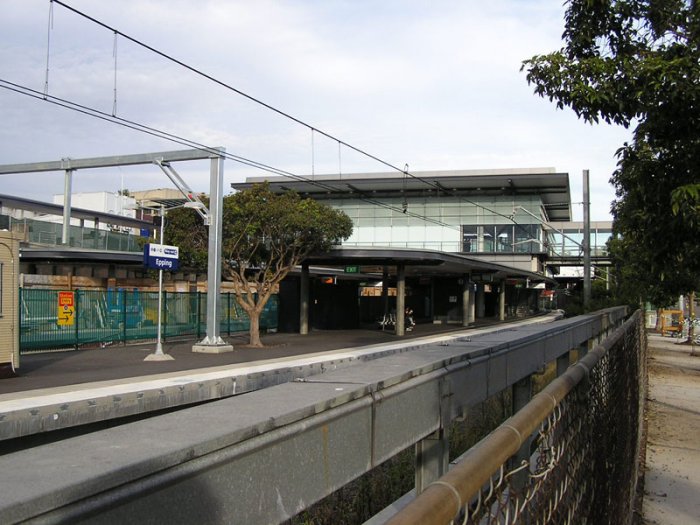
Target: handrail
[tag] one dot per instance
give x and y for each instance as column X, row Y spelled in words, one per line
column 443, row 499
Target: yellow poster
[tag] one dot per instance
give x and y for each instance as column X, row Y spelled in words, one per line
column 66, row 309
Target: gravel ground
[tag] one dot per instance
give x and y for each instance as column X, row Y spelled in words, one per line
column 672, row 477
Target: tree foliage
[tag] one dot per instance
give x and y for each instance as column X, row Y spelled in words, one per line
column 637, row 63
column 265, row 235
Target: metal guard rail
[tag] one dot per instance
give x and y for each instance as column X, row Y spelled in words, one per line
column 477, row 488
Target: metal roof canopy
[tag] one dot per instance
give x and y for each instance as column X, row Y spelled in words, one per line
column 37, row 253
column 421, row 262
column 160, row 159
column 552, row 187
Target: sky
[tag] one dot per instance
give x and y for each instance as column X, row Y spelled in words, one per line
column 433, row 84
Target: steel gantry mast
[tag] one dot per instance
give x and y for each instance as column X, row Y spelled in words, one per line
column 212, row 342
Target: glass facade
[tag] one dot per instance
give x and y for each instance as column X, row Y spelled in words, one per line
column 567, row 242
column 449, row 224
column 51, row 233
column 505, row 224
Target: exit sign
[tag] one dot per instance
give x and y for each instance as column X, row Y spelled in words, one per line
column 352, row 269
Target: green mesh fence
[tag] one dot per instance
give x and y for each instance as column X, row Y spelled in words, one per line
column 106, row 317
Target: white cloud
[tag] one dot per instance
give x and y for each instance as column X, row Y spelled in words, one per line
column 432, row 84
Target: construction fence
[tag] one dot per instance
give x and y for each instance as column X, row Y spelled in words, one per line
column 51, row 319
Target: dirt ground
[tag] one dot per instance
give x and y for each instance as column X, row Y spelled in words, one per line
column 672, row 473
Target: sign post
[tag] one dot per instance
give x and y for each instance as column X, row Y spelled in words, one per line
column 159, row 257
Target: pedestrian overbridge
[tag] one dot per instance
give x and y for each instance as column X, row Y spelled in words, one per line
column 265, row 456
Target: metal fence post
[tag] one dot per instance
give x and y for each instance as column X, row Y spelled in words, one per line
column 76, row 318
column 199, row 314
column 563, row 363
column 165, row 314
column 583, row 349
column 228, row 312
column 432, row 453
column 431, row 459
column 522, row 394
column 123, row 292
column 20, row 298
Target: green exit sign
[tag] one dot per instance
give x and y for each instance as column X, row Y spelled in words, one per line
column 352, row 269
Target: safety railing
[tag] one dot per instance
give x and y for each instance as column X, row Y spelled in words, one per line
column 105, row 317
column 581, row 435
column 51, row 233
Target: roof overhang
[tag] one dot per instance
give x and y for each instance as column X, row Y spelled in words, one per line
column 552, row 187
column 68, row 254
column 419, row 263
column 21, row 203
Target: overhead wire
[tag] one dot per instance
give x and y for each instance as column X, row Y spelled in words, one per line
column 270, row 107
column 223, row 84
column 181, row 140
column 136, row 126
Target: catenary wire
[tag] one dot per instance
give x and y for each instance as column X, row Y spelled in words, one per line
column 95, row 113
column 313, row 129
column 92, row 112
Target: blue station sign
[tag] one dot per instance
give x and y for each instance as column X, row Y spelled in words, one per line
column 161, row 257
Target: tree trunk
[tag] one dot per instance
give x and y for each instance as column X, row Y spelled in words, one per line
column 254, row 316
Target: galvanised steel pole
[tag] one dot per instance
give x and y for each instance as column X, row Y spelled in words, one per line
column 159, row 355
column 586, row 242
column 212, row 342
column 67, row 191
column 159, row 344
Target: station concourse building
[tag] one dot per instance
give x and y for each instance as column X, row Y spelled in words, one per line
column 452, row 246
column 463, row 244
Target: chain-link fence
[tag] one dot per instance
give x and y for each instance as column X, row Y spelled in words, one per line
column 104, row 317
column 582, row 460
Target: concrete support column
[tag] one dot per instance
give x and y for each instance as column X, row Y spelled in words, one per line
column 502, row 301
column 385, row 291
column 480, row 301
column 400, row 299
column 472, row 303
column 522, row 394
column 467, row 304
column 432, row 459
column 304, row 300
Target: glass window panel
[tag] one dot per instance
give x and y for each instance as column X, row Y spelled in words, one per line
column 504, row 238
column 573, row 242
column 526, row 238
column 488, row 236
column 469, row 239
